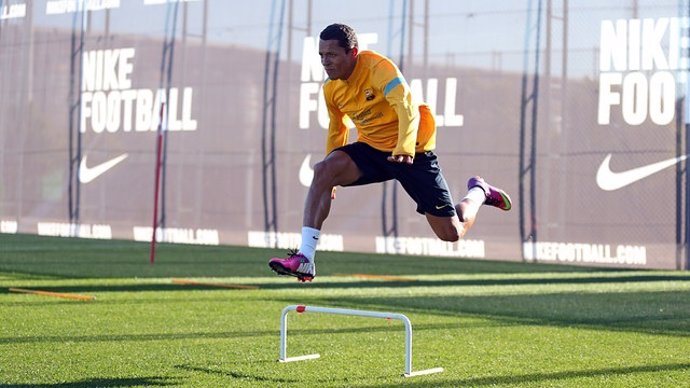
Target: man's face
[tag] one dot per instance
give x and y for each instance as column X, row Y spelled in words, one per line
column 337, row 62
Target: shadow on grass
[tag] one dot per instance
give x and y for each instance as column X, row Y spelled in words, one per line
column 237, row 334
column 144, row 287
column 291, row 283
column 263, row 380
column 659, row 312
column 540, row 379
column 236, row 375
column 104, row 382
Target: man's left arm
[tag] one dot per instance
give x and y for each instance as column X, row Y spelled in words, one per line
column 397, row 93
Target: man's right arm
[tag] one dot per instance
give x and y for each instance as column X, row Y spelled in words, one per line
column 337, row 130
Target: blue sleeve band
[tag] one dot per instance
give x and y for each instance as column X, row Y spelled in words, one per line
column 392, row 84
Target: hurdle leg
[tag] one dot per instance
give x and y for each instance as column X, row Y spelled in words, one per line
column 283, row 340
column 408, row 352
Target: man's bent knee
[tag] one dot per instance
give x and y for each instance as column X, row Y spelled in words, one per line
column 446, row 228
column 449, row 236
column 322, row 170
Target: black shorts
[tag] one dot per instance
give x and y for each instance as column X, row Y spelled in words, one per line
column 422, row 180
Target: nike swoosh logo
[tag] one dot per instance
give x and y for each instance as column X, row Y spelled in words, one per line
column 87, row 174
column 306, row 173
column 608, row 180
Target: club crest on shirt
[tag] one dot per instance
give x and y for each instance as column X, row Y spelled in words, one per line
column 369, row 94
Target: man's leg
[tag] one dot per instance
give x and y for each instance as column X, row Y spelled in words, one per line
column 478, row 193
column 448, row 228
column 335, row 170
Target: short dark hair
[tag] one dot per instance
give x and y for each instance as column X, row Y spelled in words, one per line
column 344, row 34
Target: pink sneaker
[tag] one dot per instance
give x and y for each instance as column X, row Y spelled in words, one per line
column 296, row 264
column 494, row 196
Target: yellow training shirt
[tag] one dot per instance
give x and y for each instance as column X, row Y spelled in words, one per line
column 377, row 99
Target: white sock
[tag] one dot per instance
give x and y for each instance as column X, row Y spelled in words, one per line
column 476, row 198
column 477, row 195
column 310, row 237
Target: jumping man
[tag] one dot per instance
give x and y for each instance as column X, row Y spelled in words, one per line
column 395, row 140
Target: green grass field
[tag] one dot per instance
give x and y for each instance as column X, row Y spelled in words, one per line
column 488, row 324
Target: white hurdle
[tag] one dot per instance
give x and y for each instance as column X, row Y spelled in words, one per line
column 359, row 313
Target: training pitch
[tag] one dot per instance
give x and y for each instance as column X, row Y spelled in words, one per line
column 88, row 313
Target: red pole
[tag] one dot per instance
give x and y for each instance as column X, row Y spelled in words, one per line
column 159, row 143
